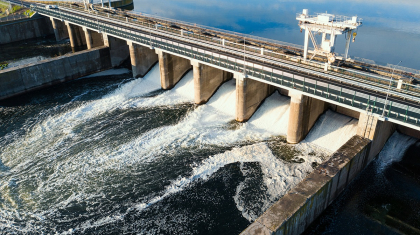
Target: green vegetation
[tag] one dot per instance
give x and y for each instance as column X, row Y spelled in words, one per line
column 3, row 66
column 4, row 6
column 28, row 13
column 15, row 8
column 233, row 125
column 282, row 150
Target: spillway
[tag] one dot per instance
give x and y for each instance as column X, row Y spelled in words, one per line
column 124, row 155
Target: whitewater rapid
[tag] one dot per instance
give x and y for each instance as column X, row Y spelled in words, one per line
column 69, row 168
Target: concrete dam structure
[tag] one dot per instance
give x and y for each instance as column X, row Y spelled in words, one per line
column 215, row 60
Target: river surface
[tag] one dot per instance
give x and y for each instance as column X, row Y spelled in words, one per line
column 32, row 51
column 390, row 30
column 383, row 199
column 112, row 154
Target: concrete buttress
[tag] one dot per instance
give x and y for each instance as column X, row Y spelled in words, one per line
column 172, row 69
column 142, row 59
column 206, row 81
column 249, row 95
column 304, row 111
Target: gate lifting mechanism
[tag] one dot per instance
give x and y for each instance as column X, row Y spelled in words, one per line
column 329, row 26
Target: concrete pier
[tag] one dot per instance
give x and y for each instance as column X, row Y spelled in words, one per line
column 142, row 59
column 172, row 69
column 88, row 37
column 76, row 36
column 376, row 130
column 93, row 39
column 304, row 111
column 60, row 30
column 249, row 95
column 117, row 48
column 206, row 81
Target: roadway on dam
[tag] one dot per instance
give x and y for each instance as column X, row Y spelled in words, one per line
column 403, row 107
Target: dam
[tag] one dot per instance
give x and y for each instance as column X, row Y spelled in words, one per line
column 172, row 145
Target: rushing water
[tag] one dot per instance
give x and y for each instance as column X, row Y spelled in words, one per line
column 383, row 199
column 32, row 51
column 111, row 154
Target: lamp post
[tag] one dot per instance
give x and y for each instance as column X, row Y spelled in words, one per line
column 244, row 58
column 389, row 87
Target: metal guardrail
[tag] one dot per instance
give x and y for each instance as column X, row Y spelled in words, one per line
column 352, row 98
column 360, row 76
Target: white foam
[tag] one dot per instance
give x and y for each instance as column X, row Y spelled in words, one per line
column 329, row 133
column 394, row 150
column 278, row 176
column 183, row 92
column 207, row 124
column 61, row 125
column 109, row 72
column 273, row 115
column 25, row 61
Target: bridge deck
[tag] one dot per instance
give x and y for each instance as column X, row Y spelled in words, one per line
column 356, row 90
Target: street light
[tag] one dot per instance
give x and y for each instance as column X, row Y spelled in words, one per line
column 389, row 87
column 244, row 57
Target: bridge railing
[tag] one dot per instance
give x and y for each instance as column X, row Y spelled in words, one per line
column 355, row 75
column 362, row 101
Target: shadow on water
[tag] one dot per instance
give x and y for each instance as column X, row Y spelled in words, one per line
column 45, row 47
column 387, row 202
column 85, row 89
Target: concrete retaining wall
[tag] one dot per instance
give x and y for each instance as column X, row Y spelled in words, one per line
column 25, row 29
column 296, row 210
column 18, row 80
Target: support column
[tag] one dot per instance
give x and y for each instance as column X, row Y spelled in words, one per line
column 346, row 53
column 305, row 50
column 296, row 125
column 77, row 37
column 376, row 130
column 105, row 39
column 249, row 96
column 142, row 59
column 172, row 69
column 71, row 35
column 118, row 49
column 60, row 30
column 55, row 27
column 304, row 112
column 206, row 81
column 88, row 37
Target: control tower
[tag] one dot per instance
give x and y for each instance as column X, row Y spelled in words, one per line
column 329, row 26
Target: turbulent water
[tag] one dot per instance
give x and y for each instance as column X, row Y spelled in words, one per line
column 32, row 51
column 383, row 199
column 112, row 154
